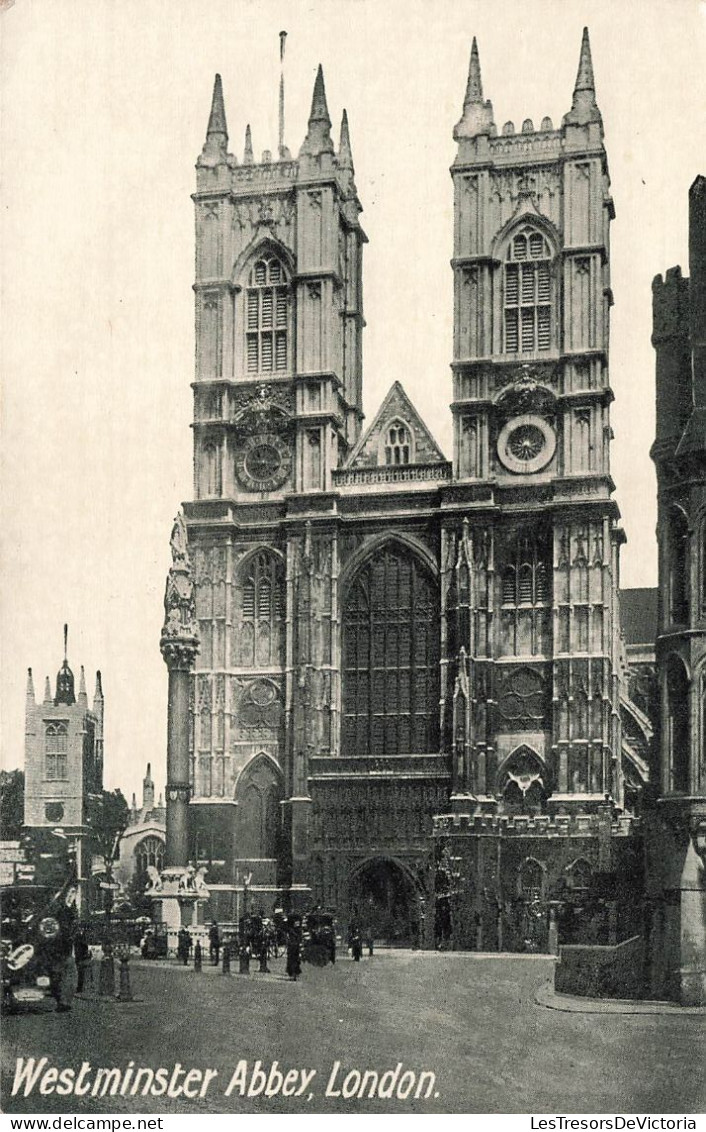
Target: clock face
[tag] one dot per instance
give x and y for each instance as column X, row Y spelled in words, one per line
column 264, row 463
column 526, row 444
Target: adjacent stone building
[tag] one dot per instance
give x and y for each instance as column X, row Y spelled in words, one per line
column 676, row 840
column 410, row 699
column 142, row 844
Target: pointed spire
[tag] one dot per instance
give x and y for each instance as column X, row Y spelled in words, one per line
column 215, row 147
column 248, row 155
column 47, row 690
column 98, row 694
column 583, row 104
column 148, row 790
column 584, row 78
column 477, row 116
column 319, row 109
column 30, row 686
column 345, row 154
column 318, row 136
column 217, row 120
column 474, row 86
column 82, row 687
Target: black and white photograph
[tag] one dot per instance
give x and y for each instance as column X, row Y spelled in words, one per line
column 353, row 614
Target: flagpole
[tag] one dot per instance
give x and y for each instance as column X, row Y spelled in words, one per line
column 282, row 40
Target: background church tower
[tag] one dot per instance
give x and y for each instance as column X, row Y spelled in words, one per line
column 277, row 407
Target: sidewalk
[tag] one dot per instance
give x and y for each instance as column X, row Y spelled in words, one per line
column 575, row 1004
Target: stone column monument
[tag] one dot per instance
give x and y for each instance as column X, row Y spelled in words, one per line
column 179, row 644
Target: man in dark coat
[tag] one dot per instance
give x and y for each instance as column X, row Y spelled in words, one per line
column 294, row 948
column 184, row 946
column 214, row 943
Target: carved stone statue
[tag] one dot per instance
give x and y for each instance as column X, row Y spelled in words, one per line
column 200, row 886
column 154, row 881
column 179, row 542
column 179, row 602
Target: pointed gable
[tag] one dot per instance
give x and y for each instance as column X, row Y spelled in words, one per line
column 397, row 435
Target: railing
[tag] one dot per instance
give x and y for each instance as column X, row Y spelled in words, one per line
column 413, row 473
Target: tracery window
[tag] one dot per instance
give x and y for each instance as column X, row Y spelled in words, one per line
column 525, row 579
column 390, row 657
column 261, row 636
column 397, row 444
column 530, row 880
column 527, row 293
column 149, row 851
column 267, row 317
column 55, row 749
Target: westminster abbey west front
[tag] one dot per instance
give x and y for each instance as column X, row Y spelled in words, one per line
column 409, row 702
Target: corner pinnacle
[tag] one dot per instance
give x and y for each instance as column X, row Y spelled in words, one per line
column 583, row 104
column 477, row 116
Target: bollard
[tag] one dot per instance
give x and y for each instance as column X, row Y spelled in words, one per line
column 197, row 956
column 106, row 978
column 226, row 959
column 125, row 992
column 244, row 961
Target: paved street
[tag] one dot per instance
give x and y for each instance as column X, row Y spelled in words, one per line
column 472, row 1021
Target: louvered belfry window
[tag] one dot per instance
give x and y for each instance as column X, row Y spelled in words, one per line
column 267, row 318
column 527, row 294
column 391, row 658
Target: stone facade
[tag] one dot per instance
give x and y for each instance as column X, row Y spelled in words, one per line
column 411, row 679
column 64, row 761
column 677, row 821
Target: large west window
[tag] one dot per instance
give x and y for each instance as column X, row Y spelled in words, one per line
column 267, row 317
column 391, row 658
column 527, row 293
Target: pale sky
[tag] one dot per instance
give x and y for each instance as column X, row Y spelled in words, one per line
column 104, row 109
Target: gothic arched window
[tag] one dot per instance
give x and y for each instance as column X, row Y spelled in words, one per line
column 390, row 657
column 56, row 739
column 678, row 729
column 267, row 317
column 260, row 637
column 678, row 568
column 527, row 293
column 526, row 576
column 149, row 851
column 530, row 879
column 398, row 444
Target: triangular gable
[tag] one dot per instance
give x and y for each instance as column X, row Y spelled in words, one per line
column 369, row 452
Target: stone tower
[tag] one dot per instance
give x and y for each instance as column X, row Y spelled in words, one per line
column 677, row 847
column 277, row 407
column 531, row 539
column 64, row 760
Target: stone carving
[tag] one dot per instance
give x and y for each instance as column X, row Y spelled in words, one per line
column 180, row 628
column 154, row 881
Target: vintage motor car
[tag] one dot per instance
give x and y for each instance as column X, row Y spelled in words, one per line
column 29, row 931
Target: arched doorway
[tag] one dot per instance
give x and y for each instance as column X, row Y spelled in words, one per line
column 384, row 902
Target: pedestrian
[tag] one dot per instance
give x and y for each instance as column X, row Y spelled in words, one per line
column 84, row 960
column 58, row 952
column 183, row 946
column 214, row 943
column 369, row 941
column 294, row 948
column 355, row 942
